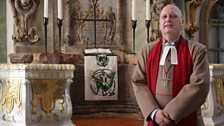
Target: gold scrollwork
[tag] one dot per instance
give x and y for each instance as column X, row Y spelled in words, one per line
column 191, row 6
column 205, row 106
column 10, row 94
column 45, row 93
column 219, row 86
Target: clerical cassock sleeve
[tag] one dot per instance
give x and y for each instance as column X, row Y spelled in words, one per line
column 143, row 95
column 192, row 95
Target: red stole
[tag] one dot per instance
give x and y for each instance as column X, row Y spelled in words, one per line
column 181, row 74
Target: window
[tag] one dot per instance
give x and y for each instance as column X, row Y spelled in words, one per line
column 216, row 33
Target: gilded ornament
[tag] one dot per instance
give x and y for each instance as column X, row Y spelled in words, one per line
column 34, row 104
column 61, row 107
column 204, row 106
column 219, row 86
column 10, row 95
column 45, row 93
column 191, row 7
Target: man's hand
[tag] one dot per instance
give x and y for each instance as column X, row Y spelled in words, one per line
column 162, row 118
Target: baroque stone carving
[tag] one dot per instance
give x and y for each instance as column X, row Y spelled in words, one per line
column 22, row 11
column 82, row 23
column 156, row 7
column 191, row 6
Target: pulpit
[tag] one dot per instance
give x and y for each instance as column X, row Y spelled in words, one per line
column 35, row 94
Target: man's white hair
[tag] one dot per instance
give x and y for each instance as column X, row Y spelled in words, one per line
column 176, row 8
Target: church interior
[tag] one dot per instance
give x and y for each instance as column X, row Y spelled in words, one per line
column 70, row 62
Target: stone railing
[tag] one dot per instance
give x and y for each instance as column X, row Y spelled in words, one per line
column 35, row 94
column 213, row 109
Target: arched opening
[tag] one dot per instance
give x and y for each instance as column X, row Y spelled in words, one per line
column 215, row 34
column 212, row 29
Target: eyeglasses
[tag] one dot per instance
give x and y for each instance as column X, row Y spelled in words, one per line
column 172, row 17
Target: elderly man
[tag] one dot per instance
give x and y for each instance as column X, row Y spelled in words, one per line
column 171, row 79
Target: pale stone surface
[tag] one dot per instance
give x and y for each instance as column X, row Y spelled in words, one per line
column 35, row 94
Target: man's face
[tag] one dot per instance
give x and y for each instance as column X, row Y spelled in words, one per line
column 170, row 21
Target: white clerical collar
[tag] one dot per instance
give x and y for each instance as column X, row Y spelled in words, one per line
column 175, row 41
column 169, row 46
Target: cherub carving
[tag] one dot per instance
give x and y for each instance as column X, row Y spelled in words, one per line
column 156, row 8
column 22, row 11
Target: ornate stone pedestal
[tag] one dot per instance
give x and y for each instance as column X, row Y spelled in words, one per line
column 213, row 109
column 35, row 94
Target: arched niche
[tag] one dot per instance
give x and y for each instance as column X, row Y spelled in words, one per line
column 211, row 29
column 204, row 21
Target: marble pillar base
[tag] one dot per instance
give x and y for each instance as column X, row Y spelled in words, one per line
column 35, row 94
